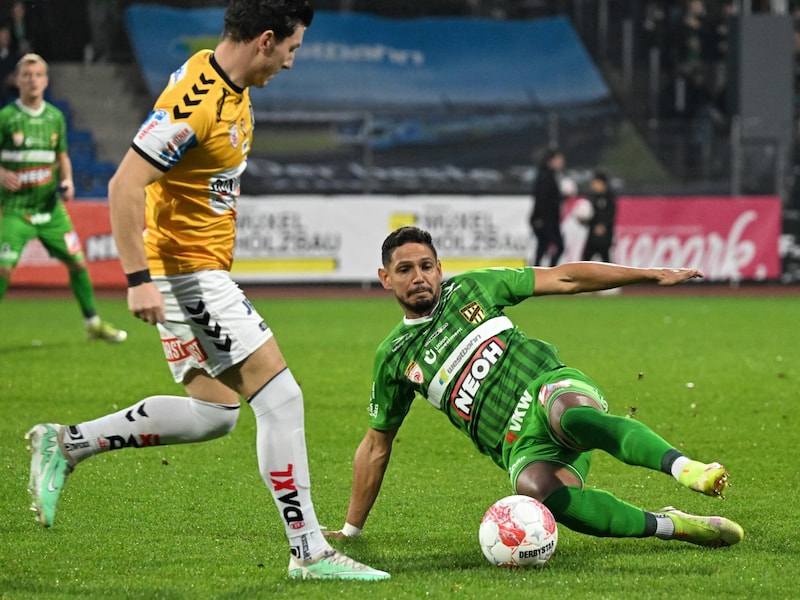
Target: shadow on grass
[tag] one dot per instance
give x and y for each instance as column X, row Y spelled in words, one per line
column 34, row 346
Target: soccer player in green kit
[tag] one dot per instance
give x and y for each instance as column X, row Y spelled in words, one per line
column 34, row 169
column 537, row 419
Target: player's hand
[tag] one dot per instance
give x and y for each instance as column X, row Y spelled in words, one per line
column 67, row 189
column 147, row 303
column 675, row 276
column 336, row 535
column 10, row 180
column 348, row 531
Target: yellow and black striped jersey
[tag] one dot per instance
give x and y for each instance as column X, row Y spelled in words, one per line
column 199, row 133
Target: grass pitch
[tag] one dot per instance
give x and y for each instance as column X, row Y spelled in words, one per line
column 717, row 376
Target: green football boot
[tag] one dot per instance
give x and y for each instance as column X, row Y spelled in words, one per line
column 710, row 479
column 107, row 332
column 712, row 532
column 49, row 470
column 332, row 564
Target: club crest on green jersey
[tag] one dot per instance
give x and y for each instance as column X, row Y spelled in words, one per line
column 414, row 373
column 473, row 313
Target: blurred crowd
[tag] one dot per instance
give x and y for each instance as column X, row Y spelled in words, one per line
column 692, row 39
column 21, row 31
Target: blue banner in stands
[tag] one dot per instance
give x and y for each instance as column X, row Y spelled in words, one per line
column 351, row 61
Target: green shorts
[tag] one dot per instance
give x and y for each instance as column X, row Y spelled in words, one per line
column 54, row 230
column 530, row 438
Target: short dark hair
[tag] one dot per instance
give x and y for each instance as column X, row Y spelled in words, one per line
column 245, row 20
column 549, row 155
column 601, row 176
column 405, row 235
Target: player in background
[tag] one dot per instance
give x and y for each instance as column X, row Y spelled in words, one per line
column 179, row 183
column 34, row 169
column 545, row 218
column 513, row 396
column 600, row 236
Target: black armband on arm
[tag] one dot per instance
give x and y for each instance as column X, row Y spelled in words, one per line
column 138, row 278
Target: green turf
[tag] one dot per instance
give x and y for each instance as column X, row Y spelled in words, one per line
column 197, row 522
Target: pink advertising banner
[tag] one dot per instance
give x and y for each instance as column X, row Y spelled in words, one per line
column 727, row 238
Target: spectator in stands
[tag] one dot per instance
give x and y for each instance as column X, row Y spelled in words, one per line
column 30, row 28
column 693, row 33
column 702, row 116
column 105, row 18
column 545, row 220
column 8, row 64
column 35, row 174
column 601, row 225
column 20, row 28
column 654, row 25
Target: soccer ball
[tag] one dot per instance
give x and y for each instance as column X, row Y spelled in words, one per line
column 583, row 210
column 568, row 186
column 518, row 531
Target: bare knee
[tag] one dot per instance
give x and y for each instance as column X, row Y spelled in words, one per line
column 540, row 479
column 201, row 386
column 5, row 272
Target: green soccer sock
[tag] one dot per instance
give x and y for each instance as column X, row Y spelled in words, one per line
column 599, row 513
column 626, row 439
column 3, row 286
column 82, row 288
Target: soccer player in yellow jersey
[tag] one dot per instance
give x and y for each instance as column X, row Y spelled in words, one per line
column 179, row 184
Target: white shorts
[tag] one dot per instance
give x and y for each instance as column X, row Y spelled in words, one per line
column 210, row 324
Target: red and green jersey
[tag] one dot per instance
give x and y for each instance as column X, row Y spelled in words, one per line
column 466, row 358
column 29, row 143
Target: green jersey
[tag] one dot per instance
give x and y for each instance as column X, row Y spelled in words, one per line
column 29, row 143
column 466, row 358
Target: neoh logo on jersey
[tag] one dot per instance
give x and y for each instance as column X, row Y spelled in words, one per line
column 35, row 176
column 468, row 385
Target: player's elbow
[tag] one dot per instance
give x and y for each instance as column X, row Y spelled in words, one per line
column 377, row 445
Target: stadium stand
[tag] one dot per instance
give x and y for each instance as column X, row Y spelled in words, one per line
column 103, row 108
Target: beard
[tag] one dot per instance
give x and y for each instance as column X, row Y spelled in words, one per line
column 422, row 306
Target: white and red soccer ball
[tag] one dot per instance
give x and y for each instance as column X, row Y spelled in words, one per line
column 518, row 531
column 583, row 210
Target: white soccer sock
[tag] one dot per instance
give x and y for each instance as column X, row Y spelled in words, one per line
column 283, row 461
column 155, row 421
column 678, row 465
column 665, row 527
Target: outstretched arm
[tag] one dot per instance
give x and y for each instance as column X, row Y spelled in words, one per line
column 576, row 277
column 371, row 460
